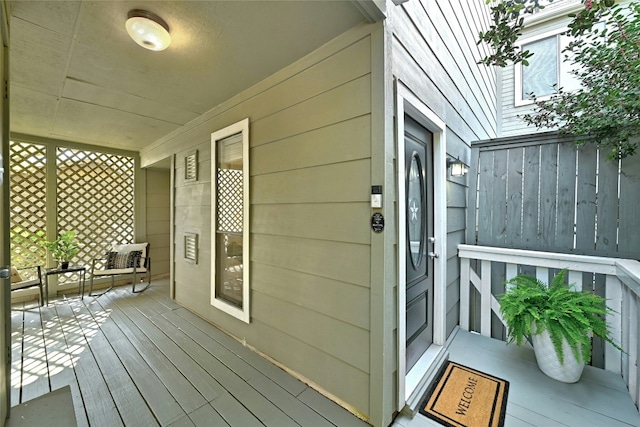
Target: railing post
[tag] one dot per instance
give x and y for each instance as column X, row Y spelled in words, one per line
column 613, row 294
column 485, row 299
column 465, row 285
column 634, row 374
column 511, row 271
column 575, row 278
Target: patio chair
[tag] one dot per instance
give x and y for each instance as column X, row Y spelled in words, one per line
column 131, row 259
column 35, row 279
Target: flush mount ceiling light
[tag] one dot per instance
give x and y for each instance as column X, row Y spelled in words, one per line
column 148, row 30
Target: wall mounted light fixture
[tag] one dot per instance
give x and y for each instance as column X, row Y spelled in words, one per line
column 458, row 168
column 148, row 30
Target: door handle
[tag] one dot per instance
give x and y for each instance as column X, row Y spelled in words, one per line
column 5, row 272
column 433, row 255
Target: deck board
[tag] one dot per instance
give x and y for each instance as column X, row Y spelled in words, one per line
column 99, row 405
column 61, row 372
column 278, row 375
column 600, row 398
column 35, row 379
column 141, row 359
column 187, row 396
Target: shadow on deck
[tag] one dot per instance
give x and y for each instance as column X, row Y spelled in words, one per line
column 600, row 398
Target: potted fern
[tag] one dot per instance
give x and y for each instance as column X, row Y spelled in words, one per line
column 559, row 320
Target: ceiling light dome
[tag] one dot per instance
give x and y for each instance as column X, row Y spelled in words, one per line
column 148, row 30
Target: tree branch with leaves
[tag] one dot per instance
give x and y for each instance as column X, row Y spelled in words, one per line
column 606, row 109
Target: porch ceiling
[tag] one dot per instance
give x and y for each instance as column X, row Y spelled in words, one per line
column 76, row 75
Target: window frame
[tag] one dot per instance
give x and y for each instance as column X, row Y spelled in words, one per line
column 561, row 44
column 241, row 313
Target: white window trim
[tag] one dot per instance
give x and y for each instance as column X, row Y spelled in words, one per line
column 236, row 128
column 517, row 88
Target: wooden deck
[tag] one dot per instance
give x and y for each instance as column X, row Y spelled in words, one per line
column 141, row 360
column 599, row 399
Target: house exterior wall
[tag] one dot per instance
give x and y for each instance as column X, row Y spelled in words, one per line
column 310, row 176
column 435, row 56
column 321, row 133
column 553, row 20
column 158, row 209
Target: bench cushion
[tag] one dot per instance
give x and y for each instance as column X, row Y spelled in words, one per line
column 120, row 260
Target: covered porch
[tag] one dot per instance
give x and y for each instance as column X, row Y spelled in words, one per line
column 600, row 398
column 142, row 360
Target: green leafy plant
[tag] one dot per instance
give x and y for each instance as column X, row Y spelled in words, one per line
column 558, row 309
column 604, row 59
column 65, row 247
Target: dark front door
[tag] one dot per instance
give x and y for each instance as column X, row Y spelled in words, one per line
column 419, row 231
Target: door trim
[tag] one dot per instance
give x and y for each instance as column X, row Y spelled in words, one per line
column 409, row 104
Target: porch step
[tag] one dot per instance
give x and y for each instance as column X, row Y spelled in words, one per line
column 54, row 409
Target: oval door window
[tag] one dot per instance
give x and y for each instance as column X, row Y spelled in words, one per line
column 415, row 210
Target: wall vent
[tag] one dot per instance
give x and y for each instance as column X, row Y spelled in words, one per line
column 191, row 167
column 191, row 247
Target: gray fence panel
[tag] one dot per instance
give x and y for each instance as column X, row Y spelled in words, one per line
column 566, row 196
column 629, row 229
column 607, row 206
column 547, row 194
column 586, row 198
column 513, row 229
column 530, row 196
column 548, row 184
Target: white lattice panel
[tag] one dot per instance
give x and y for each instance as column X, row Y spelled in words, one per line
column 229, row 199
column 27, row 203
column 95, row 199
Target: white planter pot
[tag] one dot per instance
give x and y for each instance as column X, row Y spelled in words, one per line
column 548, row 362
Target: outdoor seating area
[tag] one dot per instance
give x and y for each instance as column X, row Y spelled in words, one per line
column 132, row 259
column 33, row 278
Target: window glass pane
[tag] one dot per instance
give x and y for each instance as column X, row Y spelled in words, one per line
column 568, row 81
column 415, row 210
column 541, row 74
column 229, row 220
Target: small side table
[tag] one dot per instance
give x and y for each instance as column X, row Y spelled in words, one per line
column 80, row 269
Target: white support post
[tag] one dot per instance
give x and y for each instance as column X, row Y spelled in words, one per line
column 626, row 302
column 542, row 274
column 613, row 294
column 465, row 285
column 512, row 270
column 485, row 299
column 575, row 277
column 632, row 350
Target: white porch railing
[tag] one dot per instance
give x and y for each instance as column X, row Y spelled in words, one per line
column 622, row 290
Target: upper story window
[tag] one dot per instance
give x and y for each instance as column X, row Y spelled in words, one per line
column 547, row 70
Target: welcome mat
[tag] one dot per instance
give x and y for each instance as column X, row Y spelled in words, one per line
column 464, row 397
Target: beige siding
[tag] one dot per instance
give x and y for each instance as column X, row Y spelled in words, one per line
column 158, row 209
column 310, row 151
